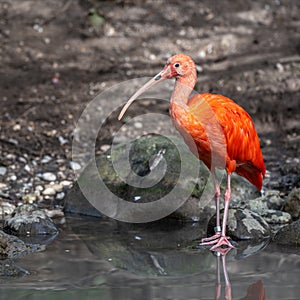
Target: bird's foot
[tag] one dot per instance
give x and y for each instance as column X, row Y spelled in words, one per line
column 222, row 241
column 211, row 238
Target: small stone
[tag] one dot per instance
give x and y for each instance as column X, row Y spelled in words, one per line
column 75, row 166
column 22, row 160
column 29, row 198
column 16, row 127
column 62, row 140
column 3, row 171
column 104, row 148
column 57, row 187
column 39, row 188
column 3, row 186
column 138, row 125
column 46, row 159
column 49, row 176
column 60, row 196
column 54, row 213
column 27, row 168
column 66, row 183
column 292, row 206
column 6, row 209
column 49, row 192
column 13, row 177
column 279, row 67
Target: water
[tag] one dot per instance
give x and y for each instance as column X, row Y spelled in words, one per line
column 103, row 259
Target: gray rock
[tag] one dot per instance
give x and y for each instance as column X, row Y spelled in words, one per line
column 11, row 246
column 9, row 269
column 146, row 154
column 270, row 200
column 6, row 209
column 289, row 234
column 276, row 216
column 28, row 220
column 243, row 224
column 292, row 206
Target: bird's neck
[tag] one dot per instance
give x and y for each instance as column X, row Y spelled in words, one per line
column 183, row 88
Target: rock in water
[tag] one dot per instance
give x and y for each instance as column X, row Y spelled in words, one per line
column 12, row 247
column 146, row 155
column 289, row 234
column 243, row 224
column 28, row 220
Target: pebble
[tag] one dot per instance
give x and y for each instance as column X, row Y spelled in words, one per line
column 62, row 140
column 27, row 168
column 75, row 166
column 105, row 147
column 66, row 183
column 46, row 159
column 56, row 187
column 138, row 125
column 49, row 176
column 13, row 177
column 3, row 186
column 16, row 127
column 54, row 213
column 60, row 196
column 49, row 191
column 6, row 209
column 3, row 171
column 29, row 198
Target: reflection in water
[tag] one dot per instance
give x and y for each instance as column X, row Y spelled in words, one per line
column 99, row 259
column 255, row 291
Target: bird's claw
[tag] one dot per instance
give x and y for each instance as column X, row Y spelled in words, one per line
column 211, row 238
column 217, row 241
column 222, row 241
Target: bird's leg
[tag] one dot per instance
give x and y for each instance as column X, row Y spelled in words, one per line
column 223, row 240
column 218, row 282
column 217, row 200
column 227, row 282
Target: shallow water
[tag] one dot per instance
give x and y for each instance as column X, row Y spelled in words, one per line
column 105, row 259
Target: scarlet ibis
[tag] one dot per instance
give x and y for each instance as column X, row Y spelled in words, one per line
column 203, row 117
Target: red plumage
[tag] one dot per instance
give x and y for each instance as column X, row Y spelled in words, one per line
column 243, row 154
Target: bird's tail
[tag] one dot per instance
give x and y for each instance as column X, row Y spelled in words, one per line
column 253, row 174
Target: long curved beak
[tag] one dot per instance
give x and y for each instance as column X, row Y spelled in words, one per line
column 164, row 74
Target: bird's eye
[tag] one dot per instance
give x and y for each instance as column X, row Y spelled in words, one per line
column 176, row 65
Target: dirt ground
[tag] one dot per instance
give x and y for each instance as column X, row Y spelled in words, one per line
column 57, row 55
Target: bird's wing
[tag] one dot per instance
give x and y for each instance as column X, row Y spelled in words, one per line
column 239, row 133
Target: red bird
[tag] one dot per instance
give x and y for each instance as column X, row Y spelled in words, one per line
column 217, row 130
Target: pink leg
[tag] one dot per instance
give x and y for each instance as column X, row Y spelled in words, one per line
column 223, row 240
column 227, row 282
column 217, row 200
column 221, row 253
column 218, row 282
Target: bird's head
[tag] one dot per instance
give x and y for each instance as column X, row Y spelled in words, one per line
column 180, row 66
